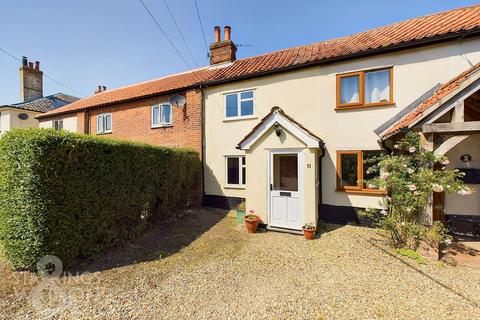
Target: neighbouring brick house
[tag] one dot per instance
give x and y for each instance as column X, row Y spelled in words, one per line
column 290, row 131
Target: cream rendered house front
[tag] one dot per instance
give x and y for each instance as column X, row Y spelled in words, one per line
column 287, row 172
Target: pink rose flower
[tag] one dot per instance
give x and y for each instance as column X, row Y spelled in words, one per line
column 412, row 149
column 412, row 187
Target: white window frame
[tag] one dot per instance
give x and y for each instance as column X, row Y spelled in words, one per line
column 55, row 124
column 103, row 117
column 240, row 185
column 239, row 105
column 160, row 112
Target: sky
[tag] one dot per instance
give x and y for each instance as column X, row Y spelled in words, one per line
column 114, row 43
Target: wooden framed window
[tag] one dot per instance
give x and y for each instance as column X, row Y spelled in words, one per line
column 352, row 170
column 366, row 88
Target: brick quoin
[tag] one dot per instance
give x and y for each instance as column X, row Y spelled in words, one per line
column 132, row 121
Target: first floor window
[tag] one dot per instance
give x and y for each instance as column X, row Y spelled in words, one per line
column 58, row 124
column 365, row 88
column 161, row 115
column 352, row 170
column 104, row 123
column 239, row 104
column 236, row 170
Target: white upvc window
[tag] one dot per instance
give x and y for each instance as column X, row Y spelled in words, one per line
column 239, row 104
column 162, row 115
column 104, row 123
column 57, row 124
column 236, row 171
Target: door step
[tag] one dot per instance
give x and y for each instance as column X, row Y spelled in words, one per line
column 292, row 231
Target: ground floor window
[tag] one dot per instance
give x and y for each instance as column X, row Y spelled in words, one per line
column 236, row 174
column 58, row 124
column 104, row 123
column 352, row 170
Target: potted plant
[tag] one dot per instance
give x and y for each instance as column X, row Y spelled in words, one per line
column 309, row 230
column 241, row 212
column 251, row 221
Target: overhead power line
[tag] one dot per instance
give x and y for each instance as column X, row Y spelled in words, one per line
column 164, row 33
column 181, row 34
column 46, row 76
column 201, row 27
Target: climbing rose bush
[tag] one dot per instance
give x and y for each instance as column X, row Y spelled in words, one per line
column 408, row 176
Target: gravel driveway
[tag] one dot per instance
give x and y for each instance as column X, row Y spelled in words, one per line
column 224, row 273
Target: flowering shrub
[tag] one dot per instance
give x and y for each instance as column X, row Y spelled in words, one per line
column 408, row 176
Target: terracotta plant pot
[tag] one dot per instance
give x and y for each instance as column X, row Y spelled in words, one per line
column 251, row 224
column 309, row 233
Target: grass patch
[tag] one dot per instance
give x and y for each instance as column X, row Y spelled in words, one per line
column 411, row 254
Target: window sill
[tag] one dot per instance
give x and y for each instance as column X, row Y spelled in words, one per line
column 372, row 105
column 229, row 186
column 364, row 191
column 239, row 118
column 103, row 133
column 162, row 126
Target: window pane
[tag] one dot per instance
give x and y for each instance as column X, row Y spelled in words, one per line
column 246, row 95
column 233, row 171
column 247, row 107
column 370, row 159
column 349, row 170
column 232, row 105
column 285, row 168
column 349, row 90
column 244, row 175
column 377, row 86
column 155, row 115
column 166, row 114
column 108, row 122
column 100, row 124
column 244, row 161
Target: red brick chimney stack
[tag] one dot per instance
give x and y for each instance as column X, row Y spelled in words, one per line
column 222, row 51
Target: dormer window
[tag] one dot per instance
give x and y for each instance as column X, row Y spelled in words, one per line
column 366, row 88
column 239, row 104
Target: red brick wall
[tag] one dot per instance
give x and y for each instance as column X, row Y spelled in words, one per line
column 132, row 121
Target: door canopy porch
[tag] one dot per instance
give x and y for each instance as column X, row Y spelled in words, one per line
column 277, row 118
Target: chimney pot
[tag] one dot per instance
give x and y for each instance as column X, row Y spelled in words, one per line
column 37, row 65
column 228, row 31
column 30, row 65
column 216, row 31
column 104, row 88
column 24, row 61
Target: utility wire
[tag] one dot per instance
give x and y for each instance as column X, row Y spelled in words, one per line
column 46, row 76
column 201, row 27
column 181, row 34
column 161, row 29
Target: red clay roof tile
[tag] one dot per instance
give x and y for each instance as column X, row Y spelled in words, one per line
column 427, row 27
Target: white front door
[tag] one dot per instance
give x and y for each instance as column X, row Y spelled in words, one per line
column 286, row 189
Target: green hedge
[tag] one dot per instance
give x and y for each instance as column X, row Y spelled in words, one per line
column 74, row 196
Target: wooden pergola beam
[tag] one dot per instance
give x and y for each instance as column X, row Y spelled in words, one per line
column 469, row 126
